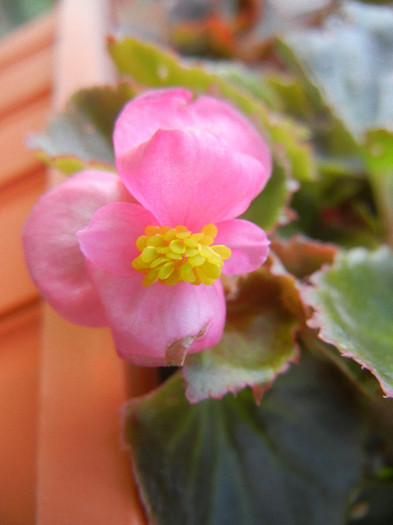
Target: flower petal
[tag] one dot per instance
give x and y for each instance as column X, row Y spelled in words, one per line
column 191, row 178
column 154, row 325
column 175, row 108
column 145, row 114
column 52, row 252
column 248, row 243
column 109, row 241
column 233, row 127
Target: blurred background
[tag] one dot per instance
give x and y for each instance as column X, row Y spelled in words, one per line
column 14, row 13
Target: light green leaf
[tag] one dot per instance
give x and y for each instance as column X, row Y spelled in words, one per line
column 379, row 150
column 293, row 460
column 69, row 164
column 349, row 62
column 83, row 133
column 353, row 303
column 258, row 341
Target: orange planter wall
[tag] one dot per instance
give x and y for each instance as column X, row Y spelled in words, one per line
column 61, row 386
column 25, row 87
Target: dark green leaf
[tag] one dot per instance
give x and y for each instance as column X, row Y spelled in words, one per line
column 374, row 505
column 293, row 460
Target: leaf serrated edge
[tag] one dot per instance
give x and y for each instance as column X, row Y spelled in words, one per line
column 314, row 322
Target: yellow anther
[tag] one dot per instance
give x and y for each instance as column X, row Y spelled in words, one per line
column 174, row 255
column 177, row 246
column 190, row 243
column 156, row 262
column 210, row 230
column 151, row 230
column 170, row 235
column 191, row 252
column 197, row 237
column 210, row 255
column 186, row 272
column 223, row 251
column 166, row 270
column 141, row 242
column 148, row 254
column 183, row 235
column 155, row 240
column 211, row 270
column 181, row 229
column 196, row 260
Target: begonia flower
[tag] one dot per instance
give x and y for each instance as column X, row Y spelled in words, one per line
column 143, row 252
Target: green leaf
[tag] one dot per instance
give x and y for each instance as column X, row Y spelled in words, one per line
column 258, row 341
column 293, row 460
column 350, row 63
column 152, row 67
column 249, row 80
column 269, row 208
column 83, row 133
column 379, row 151
column 353, row 304
column 69, row 164
column 347, row 66
column 292, row 95
column 374, row 505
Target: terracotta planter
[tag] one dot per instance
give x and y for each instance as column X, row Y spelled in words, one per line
column 61, row 386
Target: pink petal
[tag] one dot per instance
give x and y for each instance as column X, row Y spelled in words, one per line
column 52, row 252
column 190, row 178
column 232, row 126
column 147, row 321
column 175, row 108
column 248, row 243
column 109, row 240
column 144, row 115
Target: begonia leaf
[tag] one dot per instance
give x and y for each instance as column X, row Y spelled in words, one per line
column 153, row 67
column 349, row 62
column 82, row 134
column 247, row 79
column 302, row 256
column 269, row 208
column 379, row 150
column 335, row 149
column 258, row 341
column 293, row 459
column 374, row 505
column 293, row 98
column 70, row 164
column 353, row 305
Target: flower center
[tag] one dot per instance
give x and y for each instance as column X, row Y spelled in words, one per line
column 175, row 255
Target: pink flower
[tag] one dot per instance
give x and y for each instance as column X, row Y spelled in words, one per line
column 143, row 252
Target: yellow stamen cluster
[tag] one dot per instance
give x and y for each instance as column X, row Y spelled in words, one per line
column 175, row 255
